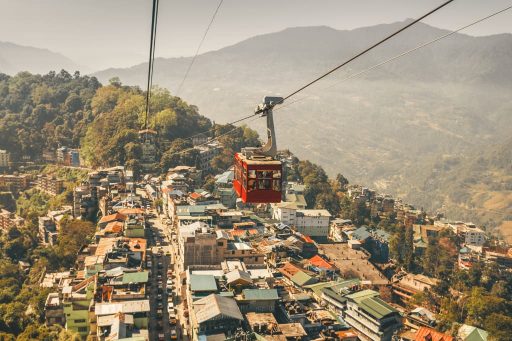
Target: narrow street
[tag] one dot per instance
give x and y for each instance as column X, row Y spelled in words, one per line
column 161, row 284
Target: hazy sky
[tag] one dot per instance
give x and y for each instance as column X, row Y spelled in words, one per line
column 115, row 33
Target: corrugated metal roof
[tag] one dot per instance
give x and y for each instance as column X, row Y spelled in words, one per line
column 214, row 306
column 260, row 294
column 135, row 277
column 203, row 283
column 430, row 334
column 301, row 278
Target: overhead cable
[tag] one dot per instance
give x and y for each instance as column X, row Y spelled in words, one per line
column 199, row 47
column 357, row 74
column 154, row 22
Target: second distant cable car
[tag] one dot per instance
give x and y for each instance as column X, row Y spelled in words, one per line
column 257, row 172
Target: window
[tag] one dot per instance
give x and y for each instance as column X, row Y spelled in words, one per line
column 80, row 321
column 82, row 329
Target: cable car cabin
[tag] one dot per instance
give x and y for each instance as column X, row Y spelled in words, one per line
column 257, row 179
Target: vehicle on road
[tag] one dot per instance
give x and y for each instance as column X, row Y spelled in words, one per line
column 172, row 318
column 174, row 335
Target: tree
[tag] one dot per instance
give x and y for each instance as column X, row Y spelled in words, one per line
column 396, row 246
column 499, row 326
column 409, row 248
column 480, row 306
column 342, row 181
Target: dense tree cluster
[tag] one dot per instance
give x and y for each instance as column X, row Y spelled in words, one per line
column 119, row 111
column 320, row 191
column 44, row 111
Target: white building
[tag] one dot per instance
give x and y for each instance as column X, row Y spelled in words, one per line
column 471, row 234
column 313, row 223
column 285, row 212
column 371, row 317
column 4, row 158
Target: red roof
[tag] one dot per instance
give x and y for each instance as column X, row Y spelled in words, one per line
column 112, row 217
column 238, row 233
column 195, row 195
column 289, row 270
column 131, row 211
column 429, row 334
column 114, row 227
column 307, row 239
column 319, row 262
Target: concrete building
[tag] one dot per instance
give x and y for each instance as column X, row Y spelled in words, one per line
column 14, row 183
column 200, row 245
column 50, row 184
column 5, row 158
column 206, row 154
column 9, row 219
column 47, row 231
column 53, row 310
column 371, row 317
column 313, row 223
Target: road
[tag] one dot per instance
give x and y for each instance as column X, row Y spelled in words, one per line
column 160, row 255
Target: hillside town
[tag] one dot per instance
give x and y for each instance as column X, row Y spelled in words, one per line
column 170, row 259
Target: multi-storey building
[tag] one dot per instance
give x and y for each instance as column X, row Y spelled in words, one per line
column 5, row 158
column 50, row 184
column 9, row 219
column 371, row 317
column 14, row 183
column 313, row 223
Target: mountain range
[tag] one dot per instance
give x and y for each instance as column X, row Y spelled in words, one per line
column 15, row 58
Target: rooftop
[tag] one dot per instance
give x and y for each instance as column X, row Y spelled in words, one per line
column 260, row 294
column 203, row 283
column 216, row 307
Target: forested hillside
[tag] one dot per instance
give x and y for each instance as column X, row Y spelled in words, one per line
column 39, row 112
column 43, row 112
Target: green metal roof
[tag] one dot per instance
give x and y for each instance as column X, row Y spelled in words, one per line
column 260, row 294
column 135, row 277
column 203, row 283
column 361, row 295
column 470, row 333
column 318, row 287
column 334, row 295
column 301, row 278
column 376, row 307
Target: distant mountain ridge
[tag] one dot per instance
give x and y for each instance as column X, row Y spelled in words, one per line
column 15, row 58
column 381, row 129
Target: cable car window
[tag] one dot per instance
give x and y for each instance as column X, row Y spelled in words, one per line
column 252, row 185
column 276, row 185
column 264, row 174
column 277, row 174
column 264, row 184
column 252, row 174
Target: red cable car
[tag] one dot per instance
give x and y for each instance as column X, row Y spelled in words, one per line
column 258, row 173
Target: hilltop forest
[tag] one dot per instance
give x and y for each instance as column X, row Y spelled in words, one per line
column 43, row 112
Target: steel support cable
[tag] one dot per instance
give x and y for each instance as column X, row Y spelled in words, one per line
column 357, row 74
column 341, row 65
column 154, row 21
column 216, row 137
column 380, row 42
column 199, row 47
